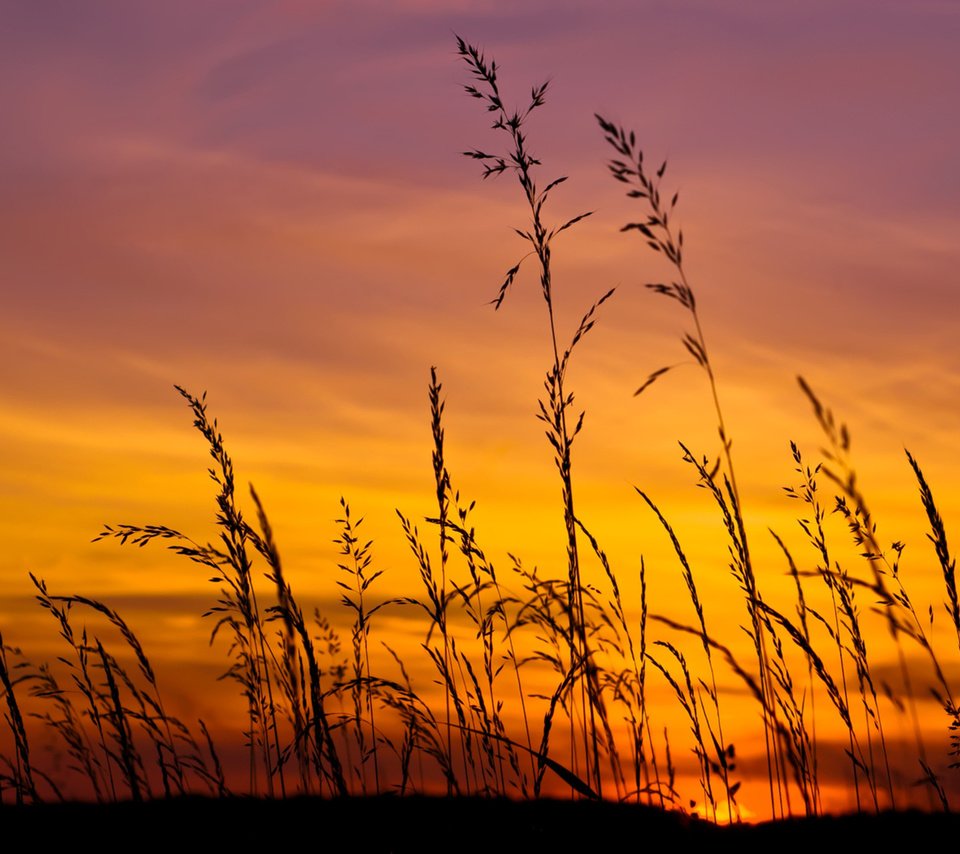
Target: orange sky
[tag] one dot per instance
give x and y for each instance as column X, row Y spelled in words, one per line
column 267, row 201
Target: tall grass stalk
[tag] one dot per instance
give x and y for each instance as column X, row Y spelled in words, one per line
column 555, row 411
column 20, row 769
column 722, row 752
column 358, row 559
column 318, row 729
column 938, row 536
column 805, row 738
column 442, row 483
column 658, row 231
column 948, row 566
column 290, row 677
column 895, row 603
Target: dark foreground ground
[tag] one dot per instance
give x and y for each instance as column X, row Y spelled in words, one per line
column 391, row 824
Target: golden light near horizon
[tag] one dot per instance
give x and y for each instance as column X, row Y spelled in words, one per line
column 190, row 221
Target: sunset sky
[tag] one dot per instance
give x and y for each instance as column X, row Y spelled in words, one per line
column 268, row 201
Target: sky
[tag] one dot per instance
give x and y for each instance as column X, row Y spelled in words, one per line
column 268, row 201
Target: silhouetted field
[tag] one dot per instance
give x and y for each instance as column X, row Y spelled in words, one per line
column 344, row 719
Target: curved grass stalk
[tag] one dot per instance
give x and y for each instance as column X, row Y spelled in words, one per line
column 658, row 233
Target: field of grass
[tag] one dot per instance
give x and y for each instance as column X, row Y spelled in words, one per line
column 537, row 686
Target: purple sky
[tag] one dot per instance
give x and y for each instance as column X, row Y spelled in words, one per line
column 267, row 200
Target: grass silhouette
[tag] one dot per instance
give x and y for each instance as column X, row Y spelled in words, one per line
column 335, row 719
